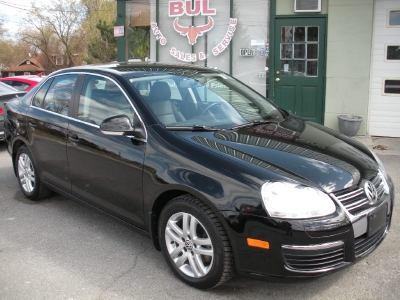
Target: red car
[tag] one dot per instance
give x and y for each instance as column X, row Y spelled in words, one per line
column 22, row 83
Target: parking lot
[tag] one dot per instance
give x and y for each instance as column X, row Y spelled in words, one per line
column 61, row 249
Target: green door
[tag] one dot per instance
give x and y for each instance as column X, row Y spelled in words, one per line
column 300, row 66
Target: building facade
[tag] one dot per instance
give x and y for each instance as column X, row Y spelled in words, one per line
column 317, row 58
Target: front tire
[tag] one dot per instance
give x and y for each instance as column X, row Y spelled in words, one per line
column 28, row 177
column 194, row 243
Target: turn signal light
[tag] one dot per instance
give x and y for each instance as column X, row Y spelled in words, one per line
column 257, row 243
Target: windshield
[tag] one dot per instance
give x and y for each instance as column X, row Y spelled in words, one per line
column 204, row 99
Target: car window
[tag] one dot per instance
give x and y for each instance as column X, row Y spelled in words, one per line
column 58, row 96
column 102, row 98
column 175, row 94
column 21, row 86
column 5, row 88
column 39, row 97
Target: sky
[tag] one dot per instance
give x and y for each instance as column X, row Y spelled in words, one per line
column 13, row 11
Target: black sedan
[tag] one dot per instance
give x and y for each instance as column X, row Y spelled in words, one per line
column 220, row 179
column 6, row 93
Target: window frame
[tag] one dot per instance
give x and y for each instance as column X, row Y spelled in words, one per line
column 386, row 53
column 383, row 87
column 388, row 18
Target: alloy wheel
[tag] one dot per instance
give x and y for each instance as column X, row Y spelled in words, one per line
column 26, row 173
column 189, row 245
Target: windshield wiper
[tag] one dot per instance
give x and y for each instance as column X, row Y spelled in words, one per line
column 192, row 128
column 254, row 123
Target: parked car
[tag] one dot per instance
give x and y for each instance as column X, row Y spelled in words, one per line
column 23, row 82
column 6, row 93
column 220, row 179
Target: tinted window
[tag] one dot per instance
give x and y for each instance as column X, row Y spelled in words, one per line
column 102, row 98
column 21, row 86
column 393, row 52
column 204, row 99
column 39, row 97
column 59, row 94
column 392, row 86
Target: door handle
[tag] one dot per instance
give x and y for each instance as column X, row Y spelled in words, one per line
column 277, row 79
column 32, row 125
column 73, row 138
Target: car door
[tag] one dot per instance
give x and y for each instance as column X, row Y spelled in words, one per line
column 47, row 124
column 106, row 170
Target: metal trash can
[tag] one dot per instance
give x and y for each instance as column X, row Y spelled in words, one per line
column 349, row 124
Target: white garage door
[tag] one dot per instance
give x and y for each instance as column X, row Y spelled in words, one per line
column 384, row 110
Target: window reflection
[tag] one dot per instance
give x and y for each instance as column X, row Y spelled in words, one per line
column 312, row 69
column 101, row 98
column 299, row 34
column 299, row 58
column 312, row 34
column 299, row 68
column 299, row 50
column 286, row 51
column 394, row 18
column 286, row 34
column 393, row 52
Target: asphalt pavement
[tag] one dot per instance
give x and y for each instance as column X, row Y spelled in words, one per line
column 60, row 249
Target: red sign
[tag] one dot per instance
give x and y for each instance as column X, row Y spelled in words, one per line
column 118, row 31
column 192, row 8
column 180, row 8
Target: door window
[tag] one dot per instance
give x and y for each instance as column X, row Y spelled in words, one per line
column 56, row 94
column 102, row 98
column 299, row 51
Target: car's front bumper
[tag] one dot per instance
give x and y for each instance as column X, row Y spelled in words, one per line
column 301, row 248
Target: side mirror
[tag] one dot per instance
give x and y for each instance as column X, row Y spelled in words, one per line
column 121, row 125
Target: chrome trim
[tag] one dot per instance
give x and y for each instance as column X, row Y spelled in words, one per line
column 338, row 266
column 314, row 247
column 52, row 112
column 371, row 192
column 374, row 246
column 94, row 74
column 325, row 246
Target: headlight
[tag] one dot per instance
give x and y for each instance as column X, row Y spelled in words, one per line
column 380, row 164
column 382, row 173
column 295, row 201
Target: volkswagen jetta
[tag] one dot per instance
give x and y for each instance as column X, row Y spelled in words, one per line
column 220, row 179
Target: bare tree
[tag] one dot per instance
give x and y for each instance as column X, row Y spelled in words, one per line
column 2, row 30
column 56, row 29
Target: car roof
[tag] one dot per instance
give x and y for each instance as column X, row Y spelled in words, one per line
column 24, row 78
column 131, row 68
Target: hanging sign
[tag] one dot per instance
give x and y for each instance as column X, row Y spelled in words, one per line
column 119, row 31
column 193, row 8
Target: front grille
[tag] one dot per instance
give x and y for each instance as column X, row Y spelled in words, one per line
column 313, row 259
column 354, row 199
column 364, row 244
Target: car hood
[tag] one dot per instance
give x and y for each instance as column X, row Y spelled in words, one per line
column 296, row 149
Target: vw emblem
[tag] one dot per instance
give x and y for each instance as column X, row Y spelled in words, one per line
column 189, row 245
column 370, row 192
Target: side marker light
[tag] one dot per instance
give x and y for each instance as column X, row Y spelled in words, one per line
column 257, row 243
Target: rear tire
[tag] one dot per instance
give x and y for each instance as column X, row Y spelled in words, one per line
column 28, row 177
column 195, row 244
